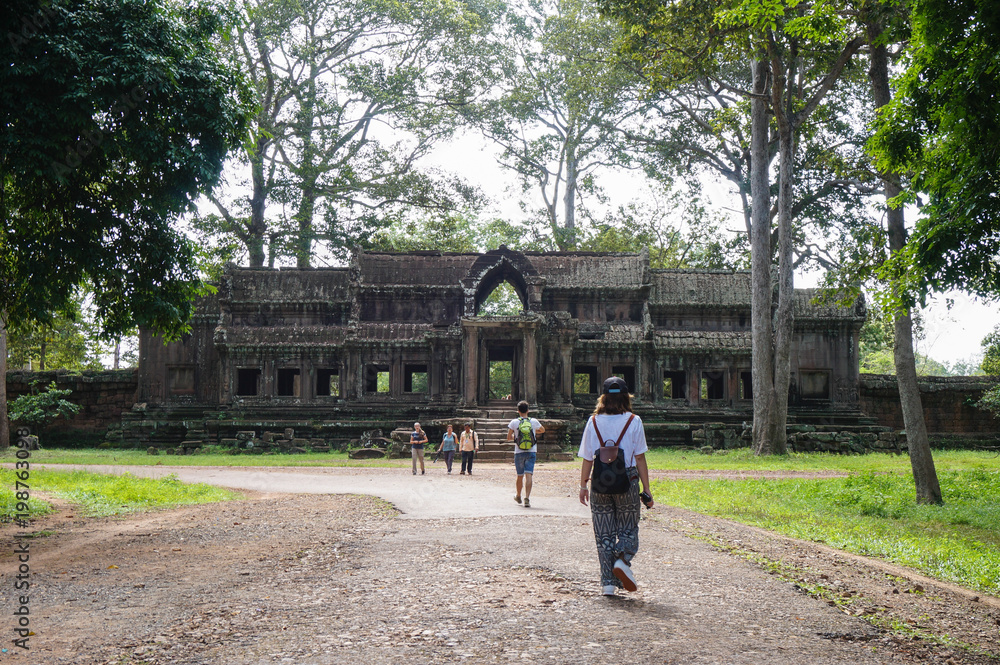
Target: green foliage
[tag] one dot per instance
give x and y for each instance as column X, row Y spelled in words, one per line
column 123, row 115
column 871, row 514
column 9, row 501
column 351, row 95
column 556, row 94
column 501, row 379
column 38, row 408
column 943, row 128
column 990, row 399
column 100, row 495
column 503, row 301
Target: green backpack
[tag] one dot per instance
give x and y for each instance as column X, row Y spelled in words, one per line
column 526, row 441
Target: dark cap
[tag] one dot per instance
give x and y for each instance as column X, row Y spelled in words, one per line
column 614, row 385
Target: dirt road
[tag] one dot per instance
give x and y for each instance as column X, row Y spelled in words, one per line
column 306, row 571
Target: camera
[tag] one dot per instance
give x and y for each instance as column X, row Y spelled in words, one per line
column 646, row 498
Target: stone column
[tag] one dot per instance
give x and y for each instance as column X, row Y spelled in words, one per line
column 530, row 367
column 567, row 372
column 470, row 365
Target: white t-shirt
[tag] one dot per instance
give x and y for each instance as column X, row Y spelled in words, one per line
column 633, row 443
column 535, row 426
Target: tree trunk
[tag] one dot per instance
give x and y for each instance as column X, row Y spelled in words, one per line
column 784, row 314
column 41, row 352
column 4, row 425
column 762, row 359
column 118, row 352
column 257, row 226
column 569, row 198
column 922, row 462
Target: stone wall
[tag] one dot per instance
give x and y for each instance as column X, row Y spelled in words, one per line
column 103, row 396
column 948, row 406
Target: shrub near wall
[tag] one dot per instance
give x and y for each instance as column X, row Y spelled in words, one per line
column 102, row 396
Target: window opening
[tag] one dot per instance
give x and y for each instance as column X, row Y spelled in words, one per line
column 585, row 380
column 377, row 379
column 713, row 385
column 248, row 381
column 674, row 385
column 327, row 382
column 288, row 382
column 746, row 385
column 502, row 301
column 626, row 372
column 415, row 379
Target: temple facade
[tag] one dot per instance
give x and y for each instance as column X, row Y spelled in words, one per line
column 400, row 336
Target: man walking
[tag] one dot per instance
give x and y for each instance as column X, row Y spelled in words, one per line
column 418, row 438
column 468, row 443
column 524, row 431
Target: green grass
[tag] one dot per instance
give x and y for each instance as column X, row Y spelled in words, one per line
column 743, row 459
column 140, row 458
column 102, row 495
column 870, row 514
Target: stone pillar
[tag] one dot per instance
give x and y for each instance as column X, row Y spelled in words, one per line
column 470, row 366
column 567, row 372
column 530, row 367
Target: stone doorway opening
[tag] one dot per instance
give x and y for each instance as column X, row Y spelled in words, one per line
column 501, row 375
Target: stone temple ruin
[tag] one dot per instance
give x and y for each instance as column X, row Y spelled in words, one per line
column 332, row 353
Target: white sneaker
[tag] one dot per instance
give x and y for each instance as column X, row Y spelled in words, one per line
column 608, row 590
column 624, row 575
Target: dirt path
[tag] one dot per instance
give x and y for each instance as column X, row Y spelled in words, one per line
column 333, row 577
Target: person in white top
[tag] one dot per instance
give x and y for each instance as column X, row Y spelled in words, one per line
column 616, row 516
column 525, row 449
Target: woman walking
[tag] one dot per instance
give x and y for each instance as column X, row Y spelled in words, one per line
column 614, row 496
column 449, row 444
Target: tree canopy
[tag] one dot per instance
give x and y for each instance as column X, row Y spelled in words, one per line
column 117, row 114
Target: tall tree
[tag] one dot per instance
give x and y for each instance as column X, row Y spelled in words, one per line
column 924, row 474
column 795, row 54
column 943, row 128
column 123, row 115
column 350, row 96
column 561, row 95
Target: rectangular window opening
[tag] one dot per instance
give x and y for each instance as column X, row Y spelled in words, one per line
column 327, row 382
column 415, row 379
column 377, row 379
column 585, row 380
column 626, row 372
column 248, row 381
column 814, row 385
column 746, row 385
column 288, row 382
column 675, row 385
column 713, row 385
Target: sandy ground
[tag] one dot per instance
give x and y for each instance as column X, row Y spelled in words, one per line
column 312, row 568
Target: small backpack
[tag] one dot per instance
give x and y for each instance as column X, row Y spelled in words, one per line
column 526, row 439
column 610, row 475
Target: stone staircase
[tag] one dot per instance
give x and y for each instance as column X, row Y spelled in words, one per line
column 494, row 447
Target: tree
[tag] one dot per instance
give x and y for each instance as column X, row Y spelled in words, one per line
column 918, row 442
column 794, row 53
column 943, row 129
column 123, row 115
column 562, row 97
column 350, row 96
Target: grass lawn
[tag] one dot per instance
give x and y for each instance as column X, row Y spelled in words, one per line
column 102, row 495
column 873, row 514
column 743, row 459
column 141, row 458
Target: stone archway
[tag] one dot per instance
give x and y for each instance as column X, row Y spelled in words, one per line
column 495, row 267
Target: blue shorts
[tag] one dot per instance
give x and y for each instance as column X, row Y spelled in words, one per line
column 524, row 463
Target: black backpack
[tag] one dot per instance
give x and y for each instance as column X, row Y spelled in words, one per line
column 610, row 475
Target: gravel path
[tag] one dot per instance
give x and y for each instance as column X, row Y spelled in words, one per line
column 307, row 571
